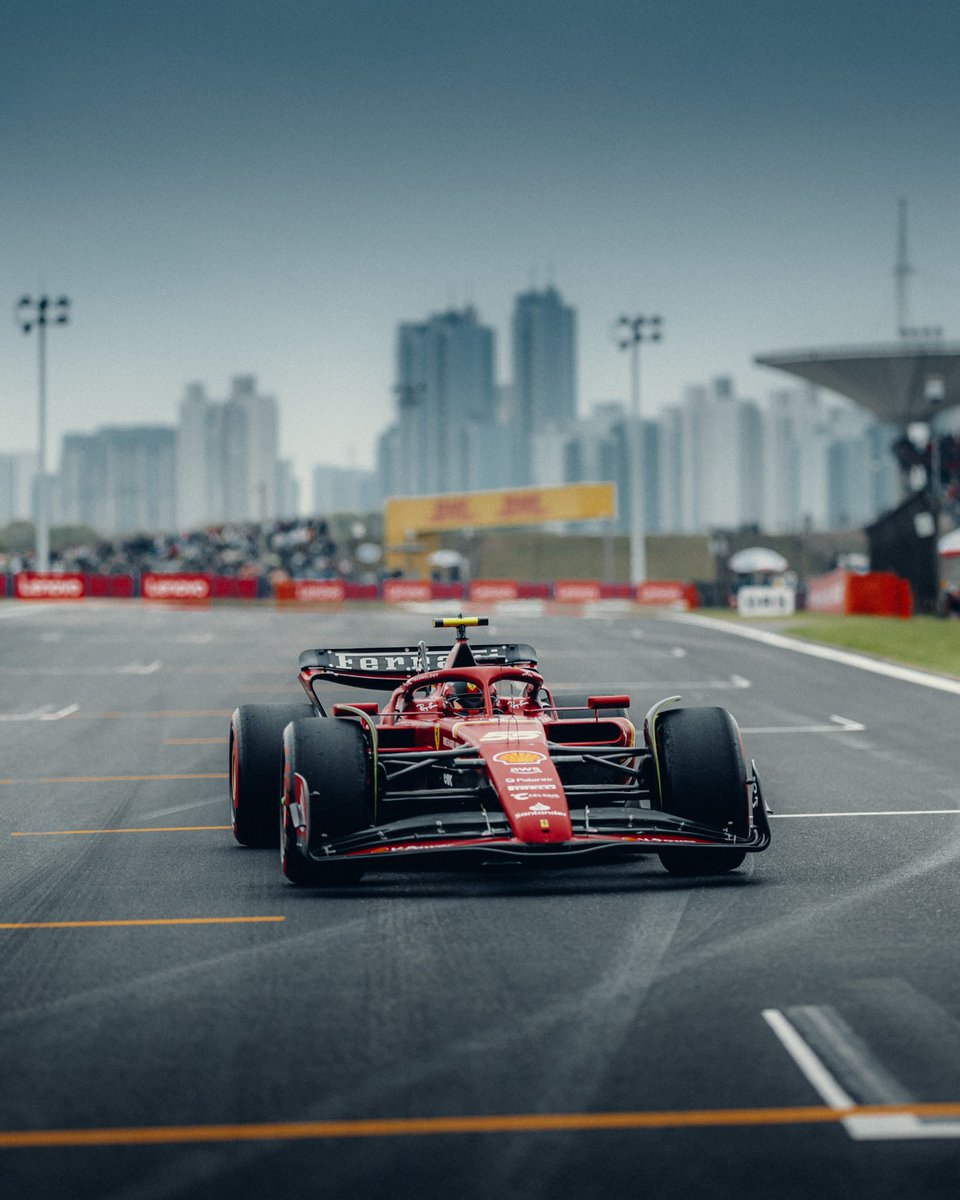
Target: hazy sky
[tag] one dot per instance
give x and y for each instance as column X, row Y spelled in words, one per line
column 227, row 186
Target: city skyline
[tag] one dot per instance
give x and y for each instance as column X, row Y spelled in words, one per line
column 714, row 460
column 238, row 188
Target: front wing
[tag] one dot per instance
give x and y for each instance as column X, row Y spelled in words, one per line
column 470, row 839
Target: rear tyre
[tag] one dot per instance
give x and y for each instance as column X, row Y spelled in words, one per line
column 327, row 775
column 703, row 778
column 256, row 765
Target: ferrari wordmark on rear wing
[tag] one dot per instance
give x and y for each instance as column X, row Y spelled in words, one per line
column 384, row 668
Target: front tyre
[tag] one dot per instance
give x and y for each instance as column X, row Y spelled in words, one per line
column 327, row 794
column 255, row 765
column 702, row 778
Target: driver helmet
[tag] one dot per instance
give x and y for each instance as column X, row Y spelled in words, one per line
column 464, row 696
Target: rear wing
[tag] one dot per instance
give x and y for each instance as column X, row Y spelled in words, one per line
column 383, row 667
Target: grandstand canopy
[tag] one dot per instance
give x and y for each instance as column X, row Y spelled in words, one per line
column 894, row 382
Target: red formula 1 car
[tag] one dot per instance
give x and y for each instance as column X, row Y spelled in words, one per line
column 472, row 759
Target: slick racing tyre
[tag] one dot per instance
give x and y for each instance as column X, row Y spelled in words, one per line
column 326, row 775
column 255, row 765
column 702, row 778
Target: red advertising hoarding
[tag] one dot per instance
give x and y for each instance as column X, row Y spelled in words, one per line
column 670, row 592
column 876, row 593
column 489, row 591
column 176, row 589
column 230, row 587
column 577, row 591
column 322, row 591
column 34, row 585
column 399, row 591
column 110, row 587
column 310, row 591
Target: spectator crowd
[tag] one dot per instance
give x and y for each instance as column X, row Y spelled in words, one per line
column 289, row 549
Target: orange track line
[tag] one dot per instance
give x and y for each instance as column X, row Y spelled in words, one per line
column 144, row 921
column 111, row 778
column 428, row 1126
column 131, row 829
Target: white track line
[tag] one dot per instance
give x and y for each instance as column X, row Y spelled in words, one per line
column 45, row 713
column 733, row 681
column 888, row 812
column 840, row 725
column 831, row 653
column 816, row 1074
column 895, row 1127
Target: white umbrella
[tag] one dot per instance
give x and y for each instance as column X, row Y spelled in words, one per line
column 446, row 558
column 757, row 559
column 949, row 544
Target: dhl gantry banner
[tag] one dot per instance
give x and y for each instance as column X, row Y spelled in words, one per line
column 405, row 517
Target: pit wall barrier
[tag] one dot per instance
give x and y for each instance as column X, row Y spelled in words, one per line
column 33, row 585
column 669, row 592
column 183, row 588
column 877, row 593
column 322, row 591
column 200, row 588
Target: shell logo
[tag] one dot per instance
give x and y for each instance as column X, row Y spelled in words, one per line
column 519, row 756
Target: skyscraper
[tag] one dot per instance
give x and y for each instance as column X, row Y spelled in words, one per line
column 445, row 393
column 17, row 474
column 253, row 426
column 227, row 453
column 120, row 479
column 544, row 372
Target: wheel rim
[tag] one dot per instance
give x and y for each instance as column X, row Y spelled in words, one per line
column 234, row 780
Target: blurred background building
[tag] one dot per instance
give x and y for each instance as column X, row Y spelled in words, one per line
column 228, row 456
column 799, row 459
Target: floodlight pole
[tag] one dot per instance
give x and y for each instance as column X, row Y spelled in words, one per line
column 630, row 333
column 933, row 393
column 37, row 313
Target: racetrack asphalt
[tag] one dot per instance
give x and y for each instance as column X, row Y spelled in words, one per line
column 177, row 1021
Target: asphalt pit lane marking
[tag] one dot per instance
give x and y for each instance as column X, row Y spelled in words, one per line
column 890, row 812
column 511, row 1124
column 844, row 1073
column 837, row 725
column 45, row 712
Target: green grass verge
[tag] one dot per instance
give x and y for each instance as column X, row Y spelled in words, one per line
column 927, row 642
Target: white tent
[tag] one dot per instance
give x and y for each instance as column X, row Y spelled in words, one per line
column 949, row 544
column 757, row 559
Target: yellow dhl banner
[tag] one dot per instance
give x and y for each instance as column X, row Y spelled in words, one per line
column 405, row 517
